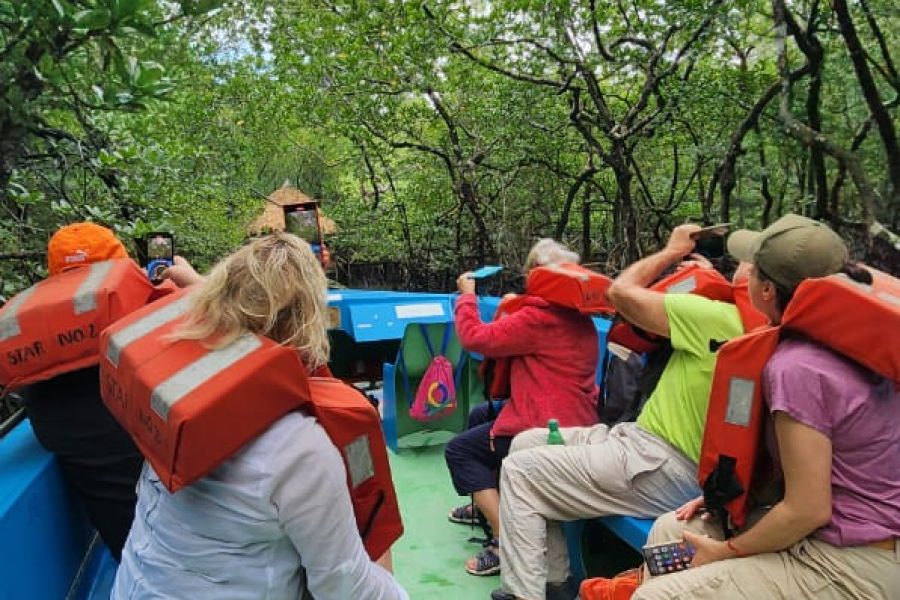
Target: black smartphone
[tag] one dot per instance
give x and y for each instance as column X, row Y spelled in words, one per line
column 302, row 220
column 669, row 557
column 160, row 250
column 711, row 232
column 711, row 247
column 710, row 241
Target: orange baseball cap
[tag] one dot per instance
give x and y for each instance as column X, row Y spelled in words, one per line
column 81, row 244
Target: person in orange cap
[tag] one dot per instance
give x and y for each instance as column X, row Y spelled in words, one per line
column 81, row 244
column 98, row 459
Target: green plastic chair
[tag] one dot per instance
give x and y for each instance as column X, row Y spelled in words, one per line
column 414, row 353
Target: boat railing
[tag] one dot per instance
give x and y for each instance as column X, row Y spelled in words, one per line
column 11, row 412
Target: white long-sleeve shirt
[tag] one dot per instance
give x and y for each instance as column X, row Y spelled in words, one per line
column 272, row 522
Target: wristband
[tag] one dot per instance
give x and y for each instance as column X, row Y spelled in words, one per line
column 733, row 548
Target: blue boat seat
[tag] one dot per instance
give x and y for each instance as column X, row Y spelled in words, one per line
column 632, row 530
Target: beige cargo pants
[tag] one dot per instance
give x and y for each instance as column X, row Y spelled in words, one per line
column 600, row 471
column 809, row 569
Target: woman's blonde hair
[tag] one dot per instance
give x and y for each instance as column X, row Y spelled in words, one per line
column 274, row 286
column 548, row 251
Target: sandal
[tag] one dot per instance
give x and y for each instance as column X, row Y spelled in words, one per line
column 487, row 562
column 467, row 514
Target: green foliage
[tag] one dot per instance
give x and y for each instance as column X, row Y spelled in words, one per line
column 437, row 135
column 69, row 69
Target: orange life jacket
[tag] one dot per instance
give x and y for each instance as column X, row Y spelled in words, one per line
column 568, row 285
column 189, row 408
column 853, row 319
column 54, row 326
column 692, row 279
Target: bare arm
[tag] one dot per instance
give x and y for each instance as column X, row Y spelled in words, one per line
column 806, row 461
column 629, row 294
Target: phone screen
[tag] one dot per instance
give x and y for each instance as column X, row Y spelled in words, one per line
column 160, row 254
column 301, row 220
column 160, row 246
column 669, row 557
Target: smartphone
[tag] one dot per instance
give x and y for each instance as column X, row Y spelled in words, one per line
column 669, row 557
column 302, row 220
column 712, row 231
column 486, row 271
column 160, row 248
column 711, row 247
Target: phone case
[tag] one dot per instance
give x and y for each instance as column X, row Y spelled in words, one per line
column 669, row 557
column 486, row 271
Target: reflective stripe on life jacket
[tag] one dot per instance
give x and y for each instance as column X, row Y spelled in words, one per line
column 847, row 317
column 54, row 326
column 189, row 408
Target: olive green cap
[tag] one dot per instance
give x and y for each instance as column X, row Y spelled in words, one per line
column 791, row 249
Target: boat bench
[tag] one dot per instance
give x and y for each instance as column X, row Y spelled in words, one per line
column 632, row 530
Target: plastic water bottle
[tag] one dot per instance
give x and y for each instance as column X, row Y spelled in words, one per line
column 554, row 437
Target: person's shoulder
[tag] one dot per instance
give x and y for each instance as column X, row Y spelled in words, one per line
column 796, row 356
column 697, row 304
column 801, row 350
column 538, row 310
column 534, row 307
column 295, row 433
column 536, row 302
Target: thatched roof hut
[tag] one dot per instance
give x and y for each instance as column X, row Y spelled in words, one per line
column 272, row 217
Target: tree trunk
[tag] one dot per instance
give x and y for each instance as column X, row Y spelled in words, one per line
column 870, row 91
column 819, row 182
column 628, row 223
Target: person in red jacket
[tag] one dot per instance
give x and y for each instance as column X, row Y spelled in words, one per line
column 554, row 353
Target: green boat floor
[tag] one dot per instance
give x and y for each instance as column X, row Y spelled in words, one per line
column 429, row 559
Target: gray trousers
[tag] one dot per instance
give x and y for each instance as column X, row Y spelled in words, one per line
column 600, row 471
column 810, row 569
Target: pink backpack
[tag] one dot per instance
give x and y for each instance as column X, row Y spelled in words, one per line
column 436, row 395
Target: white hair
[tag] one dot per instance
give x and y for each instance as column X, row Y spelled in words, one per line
column 548, row 251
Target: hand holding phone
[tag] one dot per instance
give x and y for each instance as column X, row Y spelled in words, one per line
column 160, row 254
column 668, row 557
column 710, row 241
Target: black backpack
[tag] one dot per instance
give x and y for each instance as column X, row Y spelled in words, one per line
column 629, row 382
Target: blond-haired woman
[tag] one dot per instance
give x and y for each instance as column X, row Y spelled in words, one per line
column 273, row 521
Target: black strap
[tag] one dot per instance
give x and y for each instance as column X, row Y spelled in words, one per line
column 720, row 488
column 371, row 520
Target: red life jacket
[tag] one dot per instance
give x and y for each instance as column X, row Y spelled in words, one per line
column 850, row 318
column 189, row 408
column 54, row 326
column 692, row 279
